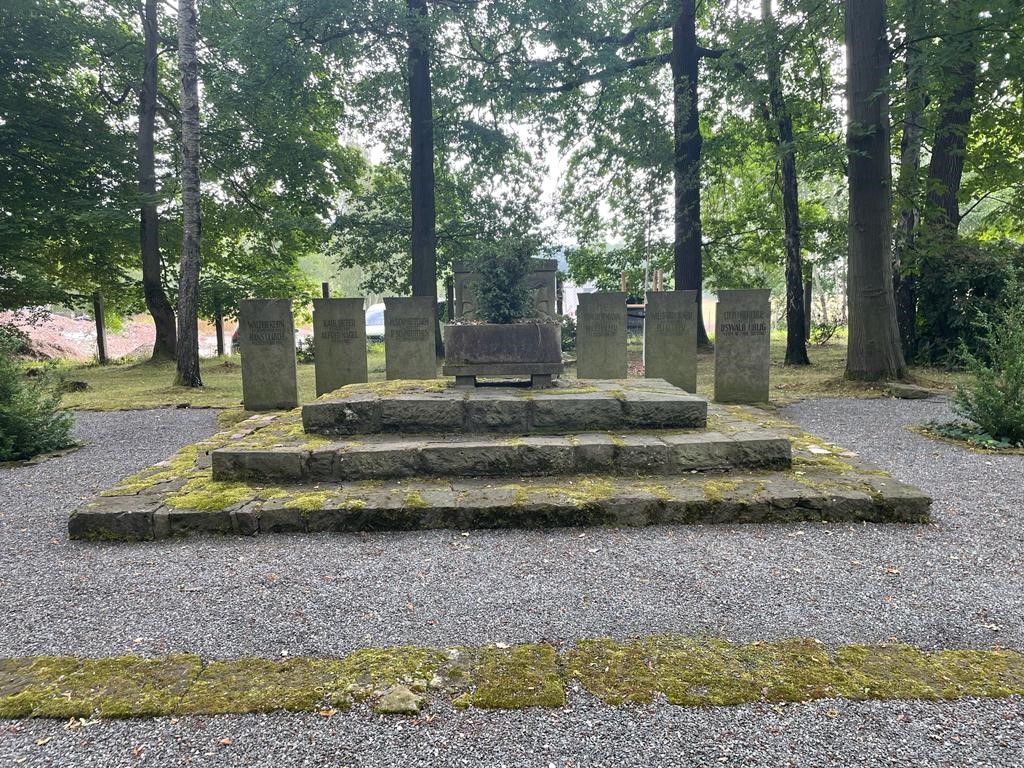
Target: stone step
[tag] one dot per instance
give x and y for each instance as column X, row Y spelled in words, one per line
column 544, row 502
column 569, row 407
column 604, row 452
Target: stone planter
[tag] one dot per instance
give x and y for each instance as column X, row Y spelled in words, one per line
column 514, row 350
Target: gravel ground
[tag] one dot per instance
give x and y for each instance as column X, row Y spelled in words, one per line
column 826, row 733
column 957, row 583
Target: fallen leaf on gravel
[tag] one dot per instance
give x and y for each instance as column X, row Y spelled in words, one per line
column 40, row 742
column 892, row 570
column 328, row 712
column 225, row 742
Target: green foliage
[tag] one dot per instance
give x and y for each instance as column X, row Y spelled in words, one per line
column 568, row 333
column 970, row 434
column 501, row 293
column 961, row 289
column 30, row 422
column 994, row 399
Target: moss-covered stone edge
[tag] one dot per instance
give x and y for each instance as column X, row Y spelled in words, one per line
column 680, row 670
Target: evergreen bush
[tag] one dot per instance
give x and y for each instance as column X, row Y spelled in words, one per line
column 994, row 399
column 502, row 295
column 30, row 420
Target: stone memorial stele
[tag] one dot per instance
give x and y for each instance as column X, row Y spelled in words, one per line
column 266, row 334
column 601, row 336
column 410, row 331
column 339, row 341
column 670, row 337
column 541, row 282
column 742, row 344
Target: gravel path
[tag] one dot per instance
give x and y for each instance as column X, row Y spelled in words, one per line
column 826, row 733
column 959, row 582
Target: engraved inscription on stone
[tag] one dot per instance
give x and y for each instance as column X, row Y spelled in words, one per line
column 343, row 329
column 750, row 322
column 264, row 332
column 742, row 327
column 410, row 328
column 605, row 324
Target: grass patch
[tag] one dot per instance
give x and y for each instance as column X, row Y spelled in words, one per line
column 150, row 385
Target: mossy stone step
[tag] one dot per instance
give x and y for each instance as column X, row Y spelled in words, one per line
column 577, row 406
column 491, row 456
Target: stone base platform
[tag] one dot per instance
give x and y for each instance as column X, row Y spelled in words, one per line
column 180, row 496
column 567, row 407
column 388, row 458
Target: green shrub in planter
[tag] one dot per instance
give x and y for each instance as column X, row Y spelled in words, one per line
column 30, row 422
column 994, row 399
column 501, row 293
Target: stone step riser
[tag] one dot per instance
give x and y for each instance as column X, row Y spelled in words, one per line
column 552, row 414
column 397, row 514
column 528, row 457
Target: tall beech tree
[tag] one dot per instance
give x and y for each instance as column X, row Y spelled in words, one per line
column 188, row 274
column 781, row 122
column 165, row 344
column 874, row 350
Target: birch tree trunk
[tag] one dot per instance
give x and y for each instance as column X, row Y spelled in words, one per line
column 188, row 280
column 149, row 235
column 874, row 350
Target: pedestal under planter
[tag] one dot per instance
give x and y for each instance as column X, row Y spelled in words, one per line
column 518, row 350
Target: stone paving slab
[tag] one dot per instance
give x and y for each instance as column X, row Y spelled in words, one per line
column 425, row 456
column 438, row 406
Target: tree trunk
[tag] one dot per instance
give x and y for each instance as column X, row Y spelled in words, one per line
column 101, row 328
column 149, row 236
column 689, row 273
column 423, row 277
column 874, row 350
column 782, row 128
column 950, row 147
column 904, row 259
column 188, row 280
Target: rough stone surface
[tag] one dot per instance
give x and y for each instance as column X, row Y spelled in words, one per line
column 399, row 700
column 267, row 338
column 339, row 337
column 384, row 458
column 742, row 342
column 566, row 408
column 903, row 391
column 410, row 332
column 670, row 337
column 601, row 336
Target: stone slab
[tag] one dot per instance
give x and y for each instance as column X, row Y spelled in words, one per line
column 568, row 407
column 742, row 345
column 267, row 338
column 387, row 458
column 601, row 336
column 410, row 334
column 339, row 341
column 670, row 337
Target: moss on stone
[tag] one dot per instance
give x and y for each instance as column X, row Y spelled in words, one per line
column 389, row 388
column 203, row 494
column 119, row 687
column 716, row 490
column 414, row 500
column 262, row 685
column 686, row 671
column 517, row 677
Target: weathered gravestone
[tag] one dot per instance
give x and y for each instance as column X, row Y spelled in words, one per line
column 541, row 282
column 601, row 336
column 267, row 337
column 410, row 331
column 339, row 342
column 670, row 338
column 742, row 343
